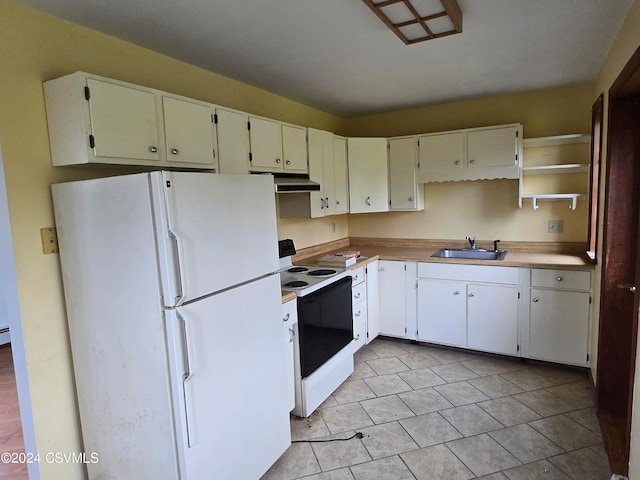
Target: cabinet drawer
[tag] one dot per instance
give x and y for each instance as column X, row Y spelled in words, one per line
column 470, row 273
column 359, row 293
column 290, row 312
column 561, row 279
column 358, row 275
column 359, row 326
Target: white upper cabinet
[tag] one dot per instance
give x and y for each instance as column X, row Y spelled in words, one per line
column 471, row 154
column 233, row 141
column 404, row 191
column 277, row 148
column 368, row 175
column 189, row 132
column 92, row 119
column 341, row 174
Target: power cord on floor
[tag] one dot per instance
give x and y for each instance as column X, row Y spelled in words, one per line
column 355, row 435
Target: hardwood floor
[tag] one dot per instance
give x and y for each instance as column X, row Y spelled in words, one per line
column 11, row 439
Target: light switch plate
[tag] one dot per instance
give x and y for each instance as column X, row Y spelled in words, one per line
column 555, row 226
column 49, row 240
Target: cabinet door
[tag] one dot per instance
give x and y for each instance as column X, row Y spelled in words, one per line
column 442, row 312
column 290, row 334
column 373, row 301
column 391, row 281
column 124, row 121
column 341, row 174
column 402, row 174
column 368, row 173
column 492, row 319
column 316, row 171
column 495, row 147
column 329, row 184
column 233, row 141
column 559, row 326
column 189, row 132
column 441, row 152
column 265, row 138
column 294, row 149
column 359, row 326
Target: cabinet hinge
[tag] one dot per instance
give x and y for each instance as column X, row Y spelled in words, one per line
column 517, row 348
column 405, row 330
column 212, row 121
column 517, row 134
column 418, row 165
column 587, row 357
column 215, row 118
column 92, row 141
column 518, row 295
column 389, row 202
column 248, row 125
column 418, row 142
column 87, row 93
column 590, row 299
column 250, row 157
column 516, row 157
column 405, row 267
column 214, row 153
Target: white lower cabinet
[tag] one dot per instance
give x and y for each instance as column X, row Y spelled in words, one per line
column 392, row 292
column 290, row 331
column 559, row 320
column 469, row 306
column 366, row 309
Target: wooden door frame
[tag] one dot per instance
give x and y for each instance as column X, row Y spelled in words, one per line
column 617, row 340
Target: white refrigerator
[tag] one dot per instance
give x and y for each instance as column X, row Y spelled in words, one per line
column 175, row 321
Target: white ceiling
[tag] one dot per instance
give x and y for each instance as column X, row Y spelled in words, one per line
column 336, row 55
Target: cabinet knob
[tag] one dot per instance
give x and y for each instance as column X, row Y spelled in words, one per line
column 410, row 199
column 355, row 277
column 357, row 295
column 175, row 151
column 337, row 202
column 286, row 317
column 321, row 203
column 292, row 335
column 359, row 313
column 471, row 295
column 472, row 162
column 287, row 162
column 559, row 279
column 456, row 292
column 535, row 300
column 357, row 337
column 153, row 148
column 457, row 162
column 368, row 201
column 278, row 160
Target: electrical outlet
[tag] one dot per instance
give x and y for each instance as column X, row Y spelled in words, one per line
column 49, row 240
column 555, row 226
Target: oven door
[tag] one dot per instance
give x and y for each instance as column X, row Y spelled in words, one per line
column 325, row 324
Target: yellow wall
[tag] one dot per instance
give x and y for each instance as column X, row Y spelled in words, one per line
column 485, row 209
column 625, row 44
column 33, row 48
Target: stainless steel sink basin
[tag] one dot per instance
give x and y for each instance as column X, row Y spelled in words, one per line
column 471, row 254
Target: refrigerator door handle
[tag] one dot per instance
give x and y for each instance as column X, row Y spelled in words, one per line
column 179, row 277
column 186, row 377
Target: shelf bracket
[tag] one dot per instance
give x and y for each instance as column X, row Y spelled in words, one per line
column 574, row 203
column 534, row 204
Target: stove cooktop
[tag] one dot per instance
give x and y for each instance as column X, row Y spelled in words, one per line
column 304, row 279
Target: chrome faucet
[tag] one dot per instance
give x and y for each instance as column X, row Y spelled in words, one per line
column 472, row 241
column 495, row 245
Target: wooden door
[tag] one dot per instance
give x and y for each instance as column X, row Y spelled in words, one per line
column 402, row 173
column 442, row 312
column 441, row 153
column 494, row 147
column 265, row 139
column 294, row 149
column 189, row 132
column 233, row 141
column 621, row 268
column 341, row 174
column 492, row 318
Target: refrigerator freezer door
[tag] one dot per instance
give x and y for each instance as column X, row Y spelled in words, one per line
column 228, row 370
column 214, row 231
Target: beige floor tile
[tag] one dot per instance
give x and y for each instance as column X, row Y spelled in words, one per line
column 353, row 391
column 583, row 464
column 385, row 348
column 310, row 427
column 425, row 400
column 430, row 429
column 453, row 372
column 332, row 455
column 482, row 454
column 470, row 420
column 541, row 470
column 418, row 360
column 387, row 384
column 340, row 474
column 587, row 418
column 565, row 432
column 543, row 402
column 386, row 409
column 421, row 378
column 382, row 366
column 329, row 402
column 361, row 370
column 488, row 365
column 365, row 353
column 495, row 386
column 436, row 463
column 391, row 468
column 579, row 394
column 461, row 393
column 387, row 439
column 560, row 374
column 445, row 355
column 508, row 411
column 298, row 461
column 493, row 476
column 599, row 449
column 528, row 379
column 345, row 417
column 526, row 444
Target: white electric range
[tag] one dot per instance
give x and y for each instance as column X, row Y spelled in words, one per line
column 323, row 356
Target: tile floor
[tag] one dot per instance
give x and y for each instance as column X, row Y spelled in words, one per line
column 431, row 413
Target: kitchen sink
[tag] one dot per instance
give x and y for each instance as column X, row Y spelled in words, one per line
column 471, row 254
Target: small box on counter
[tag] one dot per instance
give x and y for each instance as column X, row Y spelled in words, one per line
column 336, row 261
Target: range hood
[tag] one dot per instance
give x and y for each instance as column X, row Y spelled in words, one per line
column 295, row 184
